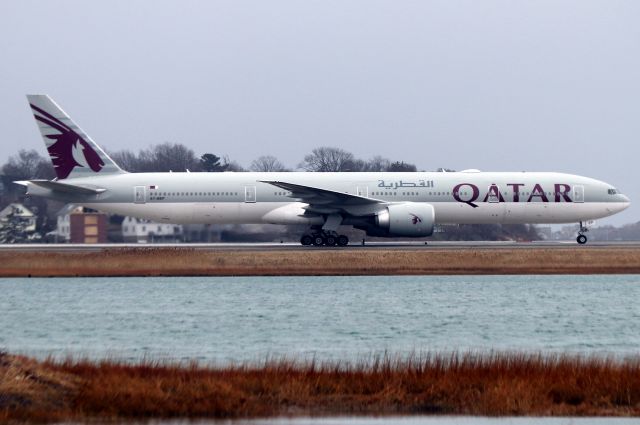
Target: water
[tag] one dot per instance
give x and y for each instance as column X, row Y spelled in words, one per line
column 225, row 319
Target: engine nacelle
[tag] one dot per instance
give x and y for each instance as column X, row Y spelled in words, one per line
column 407, row 219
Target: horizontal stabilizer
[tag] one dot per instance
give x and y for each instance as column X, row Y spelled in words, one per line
column 63, row 187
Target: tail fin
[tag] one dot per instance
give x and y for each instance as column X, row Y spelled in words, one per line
column 72, row 152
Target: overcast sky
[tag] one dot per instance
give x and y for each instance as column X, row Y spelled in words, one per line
column 495, row 85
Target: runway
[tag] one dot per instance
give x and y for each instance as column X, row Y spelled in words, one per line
column 294, row 246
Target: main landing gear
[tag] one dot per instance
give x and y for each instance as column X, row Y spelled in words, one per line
column 582, row 239
column 320, row 238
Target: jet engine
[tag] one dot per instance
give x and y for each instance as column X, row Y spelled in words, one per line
column 413, row 219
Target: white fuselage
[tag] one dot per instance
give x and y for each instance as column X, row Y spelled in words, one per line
column 463, row 198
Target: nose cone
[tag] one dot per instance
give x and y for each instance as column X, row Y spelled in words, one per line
column 625, row 202
column 621, row 203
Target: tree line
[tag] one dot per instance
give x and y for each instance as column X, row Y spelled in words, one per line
column 29, row 164
column 177, row 157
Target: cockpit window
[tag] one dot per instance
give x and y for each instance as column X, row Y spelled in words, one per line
column 612, row 191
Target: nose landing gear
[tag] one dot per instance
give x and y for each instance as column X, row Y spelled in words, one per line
column 582, row 239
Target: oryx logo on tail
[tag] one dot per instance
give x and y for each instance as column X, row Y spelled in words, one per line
column 69, row 150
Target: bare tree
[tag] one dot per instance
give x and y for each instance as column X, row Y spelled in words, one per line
column 232, row 165
column 158, row 158
column 378, row 163
column 267, row 163
column 126, row 160
column 211, row 163
column 325, row 159
column 28, row 164
column 355, row 165
column 402, row 167
column 173, row 156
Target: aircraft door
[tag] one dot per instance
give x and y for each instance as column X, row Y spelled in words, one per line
column 139, row 195
column 578, row 193
column 363, row 191
column 249, row 194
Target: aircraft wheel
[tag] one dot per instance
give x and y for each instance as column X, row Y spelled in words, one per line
column 318, row 240
column 582, row 239
column 343, row 240
column 306, row 240
column 330, row 241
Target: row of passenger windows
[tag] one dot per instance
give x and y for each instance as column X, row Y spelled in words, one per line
column 610, row 191
column 194, row 193
column 536, row 194
column 529, row 193
column 406, row 193
column 165, row 194
column 467, row 193
column 208, row 193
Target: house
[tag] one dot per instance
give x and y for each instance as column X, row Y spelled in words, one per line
column 139, row 230
column 63, row 222
column 78, row 225
column 25, row 214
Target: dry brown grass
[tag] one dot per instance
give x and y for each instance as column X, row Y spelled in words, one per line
column 33, row 390
column 470, row 384
column 196, row 262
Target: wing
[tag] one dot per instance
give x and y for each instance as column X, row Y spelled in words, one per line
column 325, row 201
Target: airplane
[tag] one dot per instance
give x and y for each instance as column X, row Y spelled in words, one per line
column 385, row 204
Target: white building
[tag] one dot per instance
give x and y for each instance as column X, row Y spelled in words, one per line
column 21, row 211
column 145, row 231
column 63, row 222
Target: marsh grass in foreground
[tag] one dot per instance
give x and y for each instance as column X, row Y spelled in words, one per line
column 492, row 384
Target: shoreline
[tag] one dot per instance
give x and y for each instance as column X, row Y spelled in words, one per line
column 186, row 261
column 496, row 384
